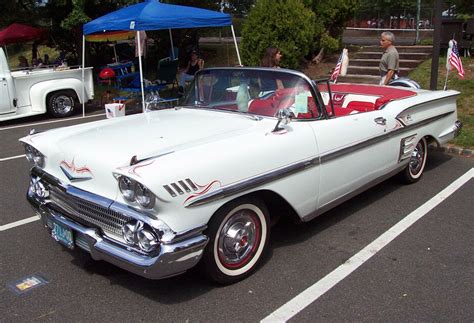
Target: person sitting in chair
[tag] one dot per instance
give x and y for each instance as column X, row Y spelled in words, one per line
column 22, row 62
column 195, row 64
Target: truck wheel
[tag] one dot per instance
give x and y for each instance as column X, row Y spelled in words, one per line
column 238, row 235
column 61, row 104
column 412, row 173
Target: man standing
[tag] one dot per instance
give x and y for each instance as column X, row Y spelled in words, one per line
column 389, row 62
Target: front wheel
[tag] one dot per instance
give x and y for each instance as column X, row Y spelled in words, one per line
column 238, row 235
column 412, row 173
column 61, row 104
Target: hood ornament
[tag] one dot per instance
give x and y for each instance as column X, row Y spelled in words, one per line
column 74, row 173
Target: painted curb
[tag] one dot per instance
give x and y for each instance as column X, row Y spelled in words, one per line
column 454, row 150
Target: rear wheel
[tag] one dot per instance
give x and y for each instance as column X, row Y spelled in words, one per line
column 61, row 104
column 238, row 235
column 414, row 170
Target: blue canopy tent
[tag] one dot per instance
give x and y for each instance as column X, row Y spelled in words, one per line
column 154, row 15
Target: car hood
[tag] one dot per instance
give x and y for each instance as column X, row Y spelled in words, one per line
column 91, row 152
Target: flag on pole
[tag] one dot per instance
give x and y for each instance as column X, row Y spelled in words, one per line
column 454, row 59
column 341, row 64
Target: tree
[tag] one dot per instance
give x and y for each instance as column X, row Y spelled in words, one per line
column 286, row 24
column 20, row 11
column 331, row 17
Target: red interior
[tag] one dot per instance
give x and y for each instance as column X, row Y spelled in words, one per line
column 385, row 94
column 284, row 98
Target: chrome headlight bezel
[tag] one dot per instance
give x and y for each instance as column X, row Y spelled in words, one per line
column 34, row 156
column 135, row 192
column 140, row 235
column 127, row 187
column 144, row 196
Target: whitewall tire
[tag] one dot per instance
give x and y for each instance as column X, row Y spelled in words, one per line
column 238, row 235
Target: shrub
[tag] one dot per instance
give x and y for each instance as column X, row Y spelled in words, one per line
column 286, row 24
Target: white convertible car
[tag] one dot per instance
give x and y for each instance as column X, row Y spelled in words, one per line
column 160, row 192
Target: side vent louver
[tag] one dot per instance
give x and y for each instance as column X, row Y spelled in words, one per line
column 186, row 185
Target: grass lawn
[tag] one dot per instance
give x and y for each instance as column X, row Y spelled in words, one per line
column 466, row 99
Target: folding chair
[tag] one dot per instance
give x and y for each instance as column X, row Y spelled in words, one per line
column 166, row 73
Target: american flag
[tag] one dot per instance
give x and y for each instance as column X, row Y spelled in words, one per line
column 337, row 69
column 455, row 60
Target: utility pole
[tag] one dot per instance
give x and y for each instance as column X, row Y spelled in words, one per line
column 418, row 5
column 436, row 45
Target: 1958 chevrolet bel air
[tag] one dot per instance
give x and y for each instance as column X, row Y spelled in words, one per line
column 160, row 192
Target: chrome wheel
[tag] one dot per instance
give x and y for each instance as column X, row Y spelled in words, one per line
column 238, row 239
column 238, row 234
column 61, row 104
column 417, row 163
column 417, row 159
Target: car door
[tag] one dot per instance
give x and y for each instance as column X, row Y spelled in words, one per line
column 355, row 150
column 6, row 100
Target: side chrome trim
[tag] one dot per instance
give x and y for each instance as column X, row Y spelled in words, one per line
column 419, row 123
column 258, row 180
column 252, row 182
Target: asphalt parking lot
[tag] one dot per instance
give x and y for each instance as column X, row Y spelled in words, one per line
column 320, row 271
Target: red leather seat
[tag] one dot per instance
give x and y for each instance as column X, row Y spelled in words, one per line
column 361, row 106
column 262, row 107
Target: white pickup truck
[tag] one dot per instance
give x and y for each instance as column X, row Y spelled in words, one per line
column 29, row 92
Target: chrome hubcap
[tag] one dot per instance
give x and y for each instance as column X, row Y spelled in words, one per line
column 239, row 239
column 416, row 161
column 63, row 104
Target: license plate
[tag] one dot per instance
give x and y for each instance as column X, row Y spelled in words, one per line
column 63, row 235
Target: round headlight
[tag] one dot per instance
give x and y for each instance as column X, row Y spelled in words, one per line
column 128, row 232
column 144, row 196
column 38, row 160
column 40, row 190
column 127, row 186
column 146, row 240
column 29, row 152
column 34, row 156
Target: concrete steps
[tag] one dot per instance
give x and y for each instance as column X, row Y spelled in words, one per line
column 411, row 63
column 404, row 56
column 364, row 64
column 362, row 78
column 374, row 70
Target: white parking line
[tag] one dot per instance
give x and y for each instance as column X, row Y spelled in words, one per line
column 312, row 293
column 53, row 121
column 18, row 223
column 12, row 157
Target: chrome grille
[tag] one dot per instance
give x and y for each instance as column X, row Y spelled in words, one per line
column 88, row 213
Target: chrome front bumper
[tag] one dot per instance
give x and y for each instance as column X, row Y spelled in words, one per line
column 172, row 258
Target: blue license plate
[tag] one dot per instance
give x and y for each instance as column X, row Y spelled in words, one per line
column 63, row 235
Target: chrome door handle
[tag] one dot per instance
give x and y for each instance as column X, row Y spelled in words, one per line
column 381, row 121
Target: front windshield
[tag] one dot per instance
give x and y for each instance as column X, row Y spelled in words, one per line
column 255, row 91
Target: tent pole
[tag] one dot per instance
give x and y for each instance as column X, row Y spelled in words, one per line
column 83, row 84
column 115, row 53
column 141, row 70
column 172, row 46
column 235, row 43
